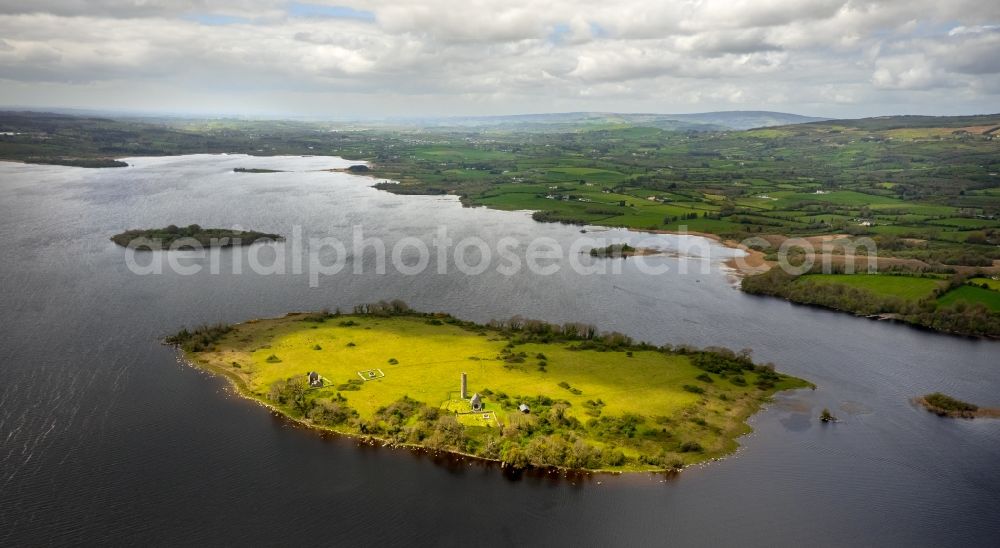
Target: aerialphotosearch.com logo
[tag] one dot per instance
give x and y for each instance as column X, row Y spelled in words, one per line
column 326, row 256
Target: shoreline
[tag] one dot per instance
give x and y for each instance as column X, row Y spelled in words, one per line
column 241, row 391
column 376, row 441
column 753, row 263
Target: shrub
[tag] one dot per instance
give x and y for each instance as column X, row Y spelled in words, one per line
column 691, row 447
column 201, row 338
column 273, row 359
column 331, row 413
column 351, row 384
column 694, row 389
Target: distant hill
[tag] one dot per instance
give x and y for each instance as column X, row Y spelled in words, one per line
column 569, row 121
column 746, row 119
column 550, row 122
column 555, row 122
column 978, row 123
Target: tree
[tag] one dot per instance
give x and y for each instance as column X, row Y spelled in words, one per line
column 448, row 433
column 292, row 392
column 331, row 412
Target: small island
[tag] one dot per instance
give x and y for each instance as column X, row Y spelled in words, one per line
column 77, row 162
column 622, row 250
column 827, row 416
column 943, row 405
column 357, row 169
column 173, row 236
column 521, row 392
column 255, row 170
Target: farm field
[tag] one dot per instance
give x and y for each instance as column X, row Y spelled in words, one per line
column 905, row 287
column 971, row 295
column 989, row 282
column 944, row 303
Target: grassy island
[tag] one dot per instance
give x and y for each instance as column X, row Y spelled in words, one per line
column 255, row 170
column 537, row 394
column 621, row 250
column 947, row 406
column 165, row 238
column 78, row 162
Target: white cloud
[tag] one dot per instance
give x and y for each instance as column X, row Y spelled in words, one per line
column 828, row 56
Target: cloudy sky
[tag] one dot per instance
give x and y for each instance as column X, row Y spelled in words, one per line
column 440, row 57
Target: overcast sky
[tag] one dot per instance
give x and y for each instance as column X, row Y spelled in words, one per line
column 437, row 57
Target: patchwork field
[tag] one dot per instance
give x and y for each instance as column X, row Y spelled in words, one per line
column 596, row 403
column 905, row 287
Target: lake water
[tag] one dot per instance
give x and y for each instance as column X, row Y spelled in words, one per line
column 105, row 437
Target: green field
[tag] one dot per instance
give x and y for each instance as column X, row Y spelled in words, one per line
column 623, row 407
column 842, row 197
column 905, row 287
column 970, row 295
column 990, row 283
column 910, row 299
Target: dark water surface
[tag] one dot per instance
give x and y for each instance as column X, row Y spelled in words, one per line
column 105, row 437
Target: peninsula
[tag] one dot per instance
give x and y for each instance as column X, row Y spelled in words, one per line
column 522, row 392
column 963, row 304
column 174, row 236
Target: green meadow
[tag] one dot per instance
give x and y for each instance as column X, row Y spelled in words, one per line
column 885, row 285
column 988, row 282
column 913, row 288
column 970, row 295
column 948, row 303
